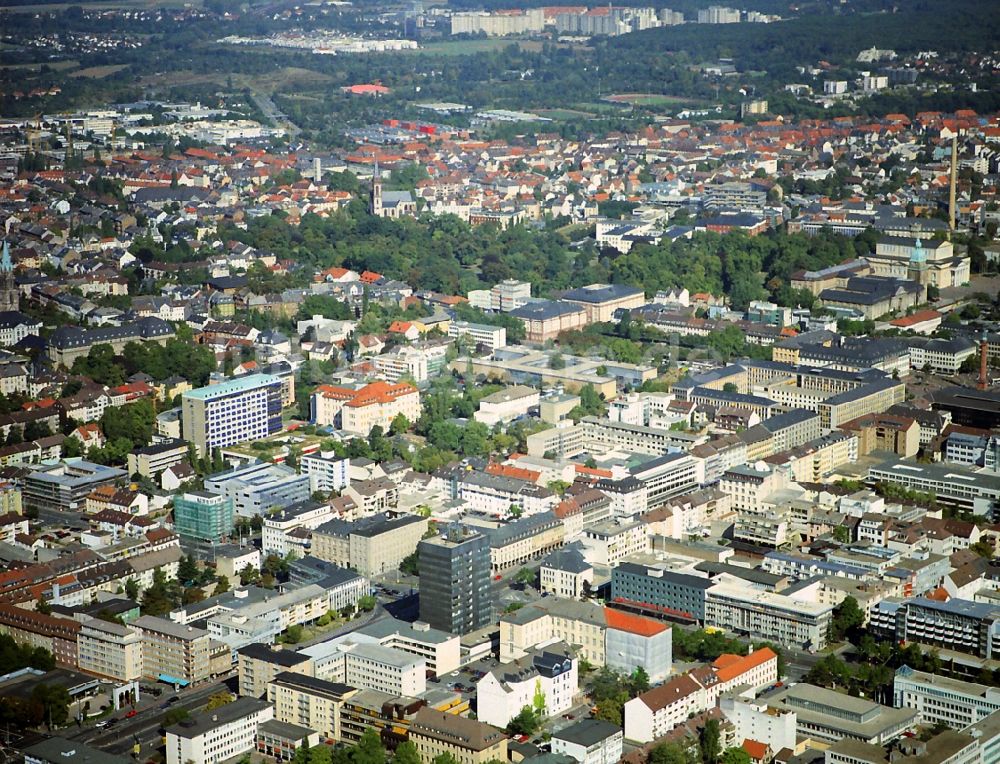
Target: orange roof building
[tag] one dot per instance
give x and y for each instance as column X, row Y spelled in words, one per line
column 361, row 410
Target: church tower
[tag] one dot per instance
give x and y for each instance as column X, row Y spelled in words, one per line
column 8, row 289
column 375, row 207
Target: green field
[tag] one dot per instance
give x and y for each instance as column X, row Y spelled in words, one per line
column 647, row 99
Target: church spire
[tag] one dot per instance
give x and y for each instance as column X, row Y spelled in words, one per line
column 6, row 264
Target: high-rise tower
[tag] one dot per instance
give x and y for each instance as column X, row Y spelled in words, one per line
column 456, row 593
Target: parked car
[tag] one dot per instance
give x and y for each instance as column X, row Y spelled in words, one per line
column 131, row 713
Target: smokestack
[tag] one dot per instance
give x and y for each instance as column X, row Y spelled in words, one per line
column 954, row 182
column 983, row 354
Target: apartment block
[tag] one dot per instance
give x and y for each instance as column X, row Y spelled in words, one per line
column 768, row 616
column 469, row 741
column 109, row 650
column 215, row 736
column 258, row 664
column 309, row 702
column 177, row 654
column 590, row 741
column 236, row 411
column 478, row 335
column 326, row 472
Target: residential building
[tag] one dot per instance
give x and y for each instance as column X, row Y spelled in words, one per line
column 590, row 741
column 957, row 624
column 469, row 741
column 768, row 615
column 259, row 664
column 456, row 592
column 203, row 516
column 520, row 541
column 150, row 461
column 53, row 633
column 236, row 411
column 109, row 650
column 287, row 530
column 326, row 472
column 177, row 654
column 309, row 702
column 550, row 672
column 565, row 573
column 215, row 736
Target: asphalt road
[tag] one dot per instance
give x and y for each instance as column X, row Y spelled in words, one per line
column 145, row 726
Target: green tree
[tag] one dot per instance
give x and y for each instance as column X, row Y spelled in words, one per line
column 54, row 701
column 709, row 742
column 219, row 699
column 525, row 723
column 669, row 753
column 367, row 603
column 187, row 569
column 735, row 756
column 847, row 618
column 406, row 753
column 369, row 749
column 175, row 715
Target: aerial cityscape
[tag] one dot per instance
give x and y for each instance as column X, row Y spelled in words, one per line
column 491, row 382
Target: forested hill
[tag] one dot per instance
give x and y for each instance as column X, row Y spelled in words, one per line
column 958, row 25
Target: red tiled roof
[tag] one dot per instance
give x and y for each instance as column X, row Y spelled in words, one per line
column 634, row 624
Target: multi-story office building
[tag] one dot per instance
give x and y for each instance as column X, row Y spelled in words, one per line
column 215, row 736
column 110, row 650
column 377, row 667
column 666, row 476
column 372, row 545
column 468, row 741
column 235, row 411
column 309, row 702
column 258, row 488
column 966, row 488
column 939, row 699
column 441, row 651
column 203, row 516
column 456, row 592
column 64, row 487
column 602, row 301
column 678, row 593
column 178, row 654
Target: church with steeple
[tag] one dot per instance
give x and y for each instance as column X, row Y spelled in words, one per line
column 8, row 289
